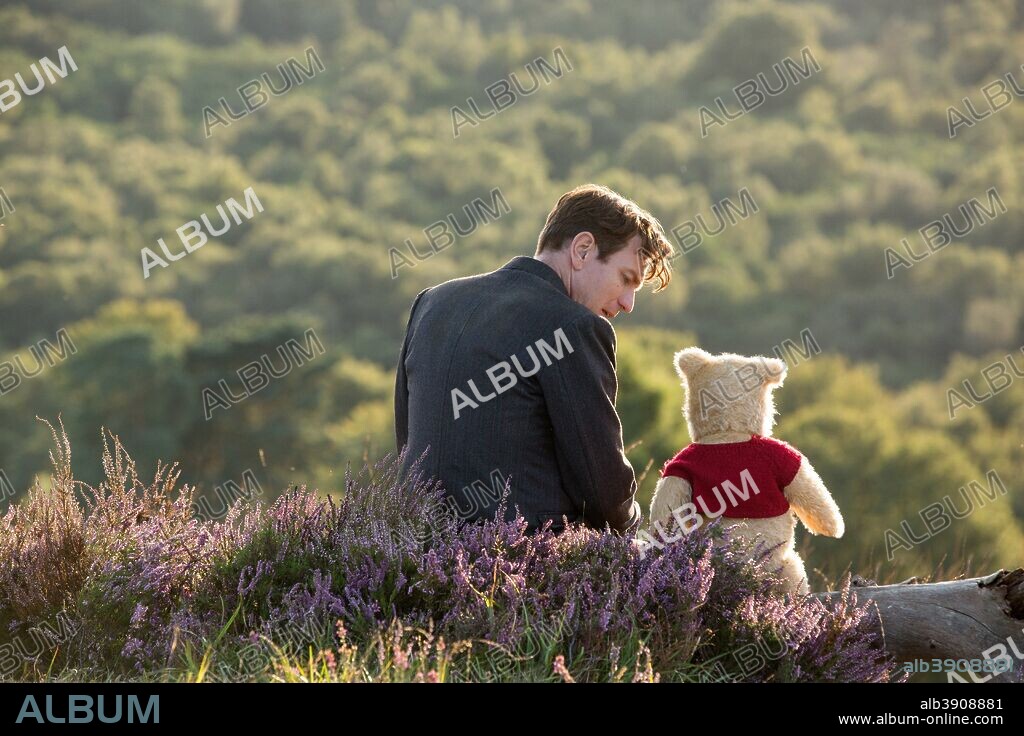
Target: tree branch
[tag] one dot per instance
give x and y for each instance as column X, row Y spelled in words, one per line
column 956, row 619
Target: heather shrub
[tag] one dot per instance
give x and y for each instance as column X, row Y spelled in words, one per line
column 43, row 555
column 383, row 583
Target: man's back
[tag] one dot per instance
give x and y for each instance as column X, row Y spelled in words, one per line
column 507, row 378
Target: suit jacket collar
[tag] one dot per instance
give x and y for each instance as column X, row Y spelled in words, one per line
column 538, row 268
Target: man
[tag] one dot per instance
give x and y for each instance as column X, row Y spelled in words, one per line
column 510, row 375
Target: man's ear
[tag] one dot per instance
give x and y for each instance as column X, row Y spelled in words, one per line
column 691, row 360
column 582, row 246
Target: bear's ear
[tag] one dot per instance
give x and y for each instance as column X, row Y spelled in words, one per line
column 691, row 360
column 773, row 371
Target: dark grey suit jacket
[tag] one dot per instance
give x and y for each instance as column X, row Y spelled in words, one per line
column 508, row 379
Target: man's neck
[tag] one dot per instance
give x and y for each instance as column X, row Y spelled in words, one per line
column 556, row 262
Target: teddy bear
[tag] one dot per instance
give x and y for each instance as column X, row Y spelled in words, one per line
column 735, row 469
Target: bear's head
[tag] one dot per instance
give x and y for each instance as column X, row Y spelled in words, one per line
column 728, row 394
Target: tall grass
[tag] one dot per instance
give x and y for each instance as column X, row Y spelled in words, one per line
column 124, row 582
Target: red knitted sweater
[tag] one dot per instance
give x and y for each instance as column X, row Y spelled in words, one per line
column 744, row 478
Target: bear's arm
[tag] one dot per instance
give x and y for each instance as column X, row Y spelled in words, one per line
column 670, row 493
column 813, row 504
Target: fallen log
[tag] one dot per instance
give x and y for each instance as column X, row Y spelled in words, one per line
column 978, row 618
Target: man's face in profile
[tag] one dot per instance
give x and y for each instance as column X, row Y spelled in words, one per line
column 609, row 287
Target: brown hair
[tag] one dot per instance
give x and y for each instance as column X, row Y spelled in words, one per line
column 613, row 220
